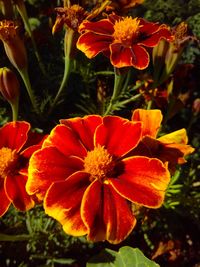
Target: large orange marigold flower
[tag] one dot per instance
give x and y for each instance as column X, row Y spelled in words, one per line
column 87, row 181
column 171, row 148
column 123, row 39
column 17, row 144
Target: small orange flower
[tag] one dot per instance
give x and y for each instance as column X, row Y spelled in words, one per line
column 89, row 184
column 122, row 39
column 17, row 144
column 171, row 148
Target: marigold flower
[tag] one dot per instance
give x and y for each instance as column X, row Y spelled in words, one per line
column 122, row 39
column 13, row 44
column 87, row 181
column 16, row 146
column 171, row 148
column 73, row 16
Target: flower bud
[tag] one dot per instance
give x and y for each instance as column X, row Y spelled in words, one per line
column 13, row 44
column 9, row 85
column 196, row 106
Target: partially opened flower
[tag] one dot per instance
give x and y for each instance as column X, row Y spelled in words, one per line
column 17, row 144
column 13, row 44
column 171, row 148
column 123, row 39
column 89, row 184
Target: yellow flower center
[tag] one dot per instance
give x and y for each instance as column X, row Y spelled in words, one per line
column 99, row 163
column 8, row 159
column 126, row 30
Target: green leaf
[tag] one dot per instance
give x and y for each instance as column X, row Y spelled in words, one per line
column 126, row 257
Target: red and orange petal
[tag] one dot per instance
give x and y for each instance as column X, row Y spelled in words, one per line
column 122, row 56
column 92, row 44
column 143, row 181
column 66, row 141
column 102, row 27
column 110, row 217
column 175, row 153
column 63, row 201
column 118, row 135
column 151, row 121
column 47, row 166
column 15, row 190
column 84, row 128
column 14, row 135
column 153, row 40
column 5, row 201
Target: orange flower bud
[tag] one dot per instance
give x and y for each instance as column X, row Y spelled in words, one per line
column 9, row 85
column 13, row 44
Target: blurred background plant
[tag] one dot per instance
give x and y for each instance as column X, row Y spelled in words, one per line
column 168, row 235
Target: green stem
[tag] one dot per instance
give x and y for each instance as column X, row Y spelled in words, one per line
column 132, row 99
column 15, row 106
column 28, row 223
column 126, row 82
column 149, row 105
column 26, row 80
column 104, row 73
column 24, row 16
column 116, row 91
column 68, row 47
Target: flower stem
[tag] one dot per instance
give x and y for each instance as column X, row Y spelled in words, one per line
column 119, row 78
column 26, row 80
column 15, row 106
column 132, row 99
column 22, row 11
column 67, row 47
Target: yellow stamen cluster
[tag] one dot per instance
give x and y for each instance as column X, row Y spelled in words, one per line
column 8, row 160
column 126, row 30
column 99, row 163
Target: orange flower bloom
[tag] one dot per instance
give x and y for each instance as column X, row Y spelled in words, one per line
column 87, row 181
column 17, row 144
column 171, row 148
column 122, row 39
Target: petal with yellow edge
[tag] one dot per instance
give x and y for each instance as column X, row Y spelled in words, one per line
column 151, row 121
column 14, row 134
column 118, row 135
column 153, row 40
column 15, row 189
column 84, row 128
column 122, row 56
column 63, row 201
column 104, row 27
column 47, row 166
column 5, row 202
column 143, row 181
column 110, row 217
column 66, row 141
column 92, row 44
column 148, row 28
